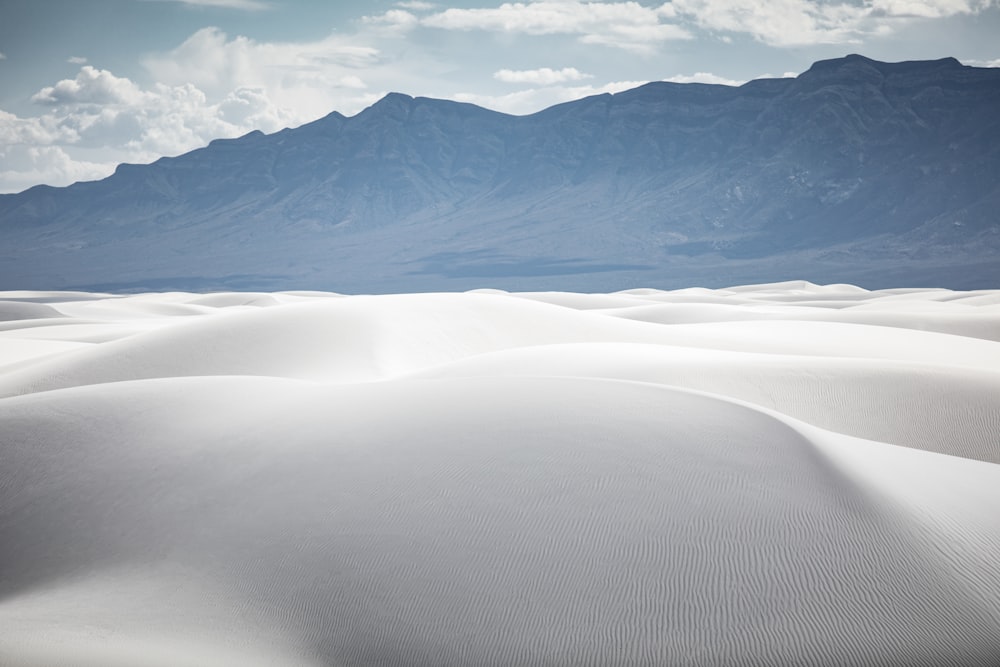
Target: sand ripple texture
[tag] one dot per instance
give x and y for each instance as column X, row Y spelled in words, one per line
column 784, row 474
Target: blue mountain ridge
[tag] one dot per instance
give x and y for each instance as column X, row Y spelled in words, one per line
column 878, row 174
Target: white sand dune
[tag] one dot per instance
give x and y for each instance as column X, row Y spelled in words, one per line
column 783, row 474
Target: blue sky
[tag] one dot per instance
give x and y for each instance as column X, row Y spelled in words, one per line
column 87, row 84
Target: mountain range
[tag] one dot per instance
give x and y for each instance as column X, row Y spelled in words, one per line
column 878, row 174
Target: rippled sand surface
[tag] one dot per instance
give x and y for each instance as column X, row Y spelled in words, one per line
column 784, row 474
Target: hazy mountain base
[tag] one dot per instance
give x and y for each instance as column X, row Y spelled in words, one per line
column 384, row 261
column 451, row 254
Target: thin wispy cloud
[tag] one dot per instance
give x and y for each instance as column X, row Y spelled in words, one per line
column 705, row 77
column 709, row 77
column 543, row 76
column 779, row 22
column 929, row 8
column 215, row 62
column 416, row 5
column 398, row 20
column 76, row 60
column 627, row 25
column 789, row 23
column 530, row 99
column 982, row 63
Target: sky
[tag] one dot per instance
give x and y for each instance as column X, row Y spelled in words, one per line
column 88, row 84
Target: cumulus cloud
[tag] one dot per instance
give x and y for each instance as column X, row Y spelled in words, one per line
column 626, row 25
column 210, row 86
column 25, row 166
column 98, row 109
column 39, row 131
column 540, row 77
column 91, row 86
column 99, row 112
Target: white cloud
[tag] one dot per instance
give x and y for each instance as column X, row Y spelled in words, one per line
column 398, row 20
column 211, row 86
column 38, row 131
column 26, row 166
column 351, row 81
column 534, row 99
column 2, row 56
column 982, row 63
column 540, row 77
column 704, row 77
column 926, row 8
column 251, row 109
column 300, row 73
column 76, row 60
column 214, row 85
column 621, row 24
column 91, row 86
column 416, row 5
column 787, row 23
column 100, row 113
column 708, row 77
column 777, row 22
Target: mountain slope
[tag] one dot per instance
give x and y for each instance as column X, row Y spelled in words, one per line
column 855, row 171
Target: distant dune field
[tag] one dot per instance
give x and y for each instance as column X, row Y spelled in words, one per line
column 782, row 474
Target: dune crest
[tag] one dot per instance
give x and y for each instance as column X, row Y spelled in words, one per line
column 780, row 474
